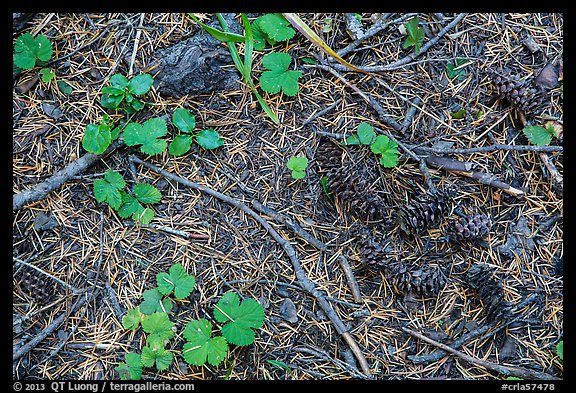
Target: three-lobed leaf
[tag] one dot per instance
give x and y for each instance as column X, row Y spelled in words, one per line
column 456, row 70
column 276, row 27
column 415, row 35
column 47, row 74
column 132, row 319
column 147, row 135
column 159, row 356
column 240, row 318
column 388, row 150
column 279, row 78
column 154, row 302
column 364, row 135
column 201, row 346
column 158, row 324
column 28, row 51
column 177, row 280
column 108, row 189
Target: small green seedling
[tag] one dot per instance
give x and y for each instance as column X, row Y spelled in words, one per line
column 30, row 51
column 240, row 318
column 176, row 281
column 47, row 74
column 298, row 166
column 560, row 349
column 110, row 190
column 122, row 92
column 148, row 135
column 271, row 29
column 459, row 114
column 381, row 144
column 539, row 135
column 131, row 369
column 279, row 77
column 185, row 121
column 324, row 184
column 201, row 346
column 456, row 70
column 280, row 364
column 415, row 35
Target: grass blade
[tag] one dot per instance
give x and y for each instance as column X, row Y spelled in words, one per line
column 246, row 74
column 307, row 32
column 223, row 36
column 248, row 46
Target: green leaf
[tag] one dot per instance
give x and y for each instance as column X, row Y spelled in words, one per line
column 560, row 349
column 308, row 60
column 119, row 81
column 366, row 134
column 113, row 91
column 415, row 35
column 130, row 205
column 64, row 87
column 108, row 189
column 538, row 135
column 276, row 27
column 241, row 318
column 222, row 36
column 454, row 70
column 513, row 379
column 352, row 140
column 279, row 77
column 47, row 74
column 180, row 145
column 136, row 104
column 279, row 364
column 177, row 280
column 131, row 320
column 258, row 36
column 324, row 183
column 97, row 138
column 132, row 368
column 201, row 346
column 458, row 114
column 147, row 193
column 248, row 46
column 140, row 84
column 158, row 324
column 143, row 215
column 162, row 357
column 209, row 139
column 111, row 102
column 387, row 148
column 153, row 302
column 147, row 135
column 29, row 50
column 298, row 166
column 184, row 120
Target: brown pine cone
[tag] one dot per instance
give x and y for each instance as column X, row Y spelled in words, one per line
column 420, row 214
column 519, row 93
column 422, row 280
column 329, row 154
column 480, row 277
column 37, row 286
column 470, row 227
column 375, row 253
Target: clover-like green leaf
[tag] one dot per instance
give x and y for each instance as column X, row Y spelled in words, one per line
column 147, row 135
column 538, row 135
column 180, row 145
column 132, row 319
column 159, row 356
column 279, row 77
column 201, row 346
column 364, row 135
column 240, row 318
column 177, row 280
column 154, row 302
column 108, row 189
column 147, row 193
column 130, row 205
column 415, row 35
column 184, row 120
column 28, row 51
column 132, row 368
column 158, row 324
column 140, row 84
column 298, row 166
column 276, row 27
column 387, row 148
column 456, row 70
column 97, row 138
column 258, row 35
column 47, row 74
column 64, row 87
column 209, row 139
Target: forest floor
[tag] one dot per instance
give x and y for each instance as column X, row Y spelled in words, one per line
column 90, row 265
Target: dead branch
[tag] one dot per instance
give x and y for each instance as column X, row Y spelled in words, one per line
column 41, row 190
column 494, row 147
column 519, row 372
column 345, row 265
column 306, row 284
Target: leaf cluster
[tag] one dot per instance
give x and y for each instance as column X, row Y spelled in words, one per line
column 415, row 35
column 379, row 144
column 30, row 51
column 541, row 136
column 122, row 92
column 456, row 70
column 298, row 166
column 271, row 28
column 110, row 190
column 279, row 77
column 186, row 122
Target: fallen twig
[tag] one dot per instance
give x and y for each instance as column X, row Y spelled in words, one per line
column 40, row 190
column 307, row 284
column 410, row 114
column 322, row 112
column 136, row 43
column 494, row 147
column 505, row 370
column 350, row 278
column 405, row 60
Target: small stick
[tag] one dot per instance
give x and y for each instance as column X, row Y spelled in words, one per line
column 114, row 301
column 345, row 265
column 307, row 284
column 354, row 26
column 410, row 114
column 322, row 112
column 136, row 42
column 505, row 370
column 177, row 232
column 289, row 223
column 494, row 147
